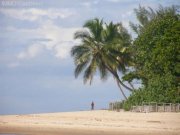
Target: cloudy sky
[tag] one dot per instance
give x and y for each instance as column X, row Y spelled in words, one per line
column 36, row 70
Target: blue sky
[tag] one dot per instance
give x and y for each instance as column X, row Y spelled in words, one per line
column 36, row 70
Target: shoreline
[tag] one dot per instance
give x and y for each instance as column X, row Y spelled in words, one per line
column 91, row 123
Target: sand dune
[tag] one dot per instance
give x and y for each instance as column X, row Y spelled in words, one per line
column 92, row 123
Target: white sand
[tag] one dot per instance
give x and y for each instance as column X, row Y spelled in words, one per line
column 92, row 123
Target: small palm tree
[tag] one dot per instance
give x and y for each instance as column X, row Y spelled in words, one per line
column 103, row 47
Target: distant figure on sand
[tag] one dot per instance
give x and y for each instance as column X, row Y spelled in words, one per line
column 92, row 105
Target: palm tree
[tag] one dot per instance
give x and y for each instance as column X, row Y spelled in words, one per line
column 103, row 47
column 146, row 15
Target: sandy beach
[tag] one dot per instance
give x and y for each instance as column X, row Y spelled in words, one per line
column 92, row 123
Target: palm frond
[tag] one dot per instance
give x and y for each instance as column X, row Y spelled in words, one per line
column 142, row 15
column 90, row 71
column 80, row 67
column 80, row 54
column 96, row 27
column 81, row 34
column 146, row 15
column 110, row 32
column 102, row 70
column 151, row 13
column 77, row 51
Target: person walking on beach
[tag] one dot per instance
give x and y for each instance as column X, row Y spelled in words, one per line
column 92, row 105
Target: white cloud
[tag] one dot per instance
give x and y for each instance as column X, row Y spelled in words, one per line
column 60, row 40
column 89, row 4
column 115, row 1
column 33, row 14
column 127, row 14
column 126, row 24
column 30, row 52
column 13, row 65
column 63, row 50
column 86, row 4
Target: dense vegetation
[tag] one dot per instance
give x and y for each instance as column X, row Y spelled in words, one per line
column 153, row 56
column 157, row 58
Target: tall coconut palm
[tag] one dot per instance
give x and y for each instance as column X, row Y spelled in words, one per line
column 103, row 47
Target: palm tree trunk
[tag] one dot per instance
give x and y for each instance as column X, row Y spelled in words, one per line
column 121, row 89
column 131, row 85
column 115, row 74
column 123, row 83
column 117, row 80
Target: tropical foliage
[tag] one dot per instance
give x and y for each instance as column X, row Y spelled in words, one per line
column 153, row 57
column 156, row 56
column 103, row 47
